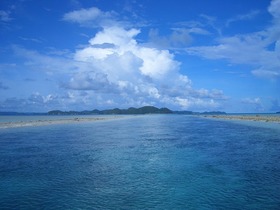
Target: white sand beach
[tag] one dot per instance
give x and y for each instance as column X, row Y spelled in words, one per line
column 48, row 121
column 261, row 118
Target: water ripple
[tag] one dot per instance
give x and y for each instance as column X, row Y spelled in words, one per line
column 152, row 162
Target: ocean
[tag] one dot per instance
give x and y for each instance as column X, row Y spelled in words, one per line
column 141, row 162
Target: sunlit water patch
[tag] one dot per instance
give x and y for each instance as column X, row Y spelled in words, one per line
column 149, row 162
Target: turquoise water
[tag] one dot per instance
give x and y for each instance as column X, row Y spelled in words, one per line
column 147, row 162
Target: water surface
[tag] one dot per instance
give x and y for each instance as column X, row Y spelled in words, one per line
column 147, row 162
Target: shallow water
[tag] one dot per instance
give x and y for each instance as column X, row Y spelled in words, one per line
column 30, row 118
column 148, row 162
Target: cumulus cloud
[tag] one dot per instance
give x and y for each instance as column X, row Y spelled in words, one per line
column 115, row 70
column 121, row 57
column 90, row 81
column 253, row 49
column 136, row 72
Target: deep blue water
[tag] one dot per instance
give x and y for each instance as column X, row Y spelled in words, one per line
column 147, row 162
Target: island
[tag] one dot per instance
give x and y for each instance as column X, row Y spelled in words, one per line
column 115, row 111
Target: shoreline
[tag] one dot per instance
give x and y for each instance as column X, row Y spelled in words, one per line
column 82, row 119
column 258, row 118
column 44, row 122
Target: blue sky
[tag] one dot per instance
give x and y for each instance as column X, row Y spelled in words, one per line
column 185, row 55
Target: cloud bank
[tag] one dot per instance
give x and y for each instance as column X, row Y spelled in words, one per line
column 114, row 62
column 114, row 70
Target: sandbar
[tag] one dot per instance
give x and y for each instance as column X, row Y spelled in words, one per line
column 44, row 122
column 260, row 118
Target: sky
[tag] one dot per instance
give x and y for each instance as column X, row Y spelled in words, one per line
column 184, row 55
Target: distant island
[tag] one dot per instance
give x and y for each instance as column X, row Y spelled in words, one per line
column 117, row 111
column 95, row 115
column 131, row 110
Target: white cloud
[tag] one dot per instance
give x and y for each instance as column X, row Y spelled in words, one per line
column 116, row 36
column 34, row 103
column 255, row 49
column 30, row 39
column 90, row 81
column 274, row 9
column 266, row 73
column 242, row 17
column 211, row 21
column 44, row 63
column 201, row 104
column 247, row 48
column 157, row 64
column 252, row 100
column 124, row 52
column 114, row 69
column 83, row 15
column 92, row 17
column 139, row 74
column 253, row 104
column 213, row 94
column 179, row 38
column 88, row 54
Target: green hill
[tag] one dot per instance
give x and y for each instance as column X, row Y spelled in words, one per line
column 131, row 110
